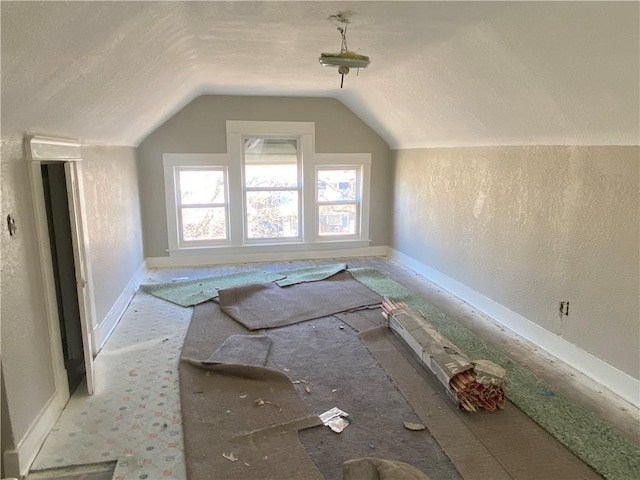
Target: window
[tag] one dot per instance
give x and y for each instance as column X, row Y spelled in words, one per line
column 270, row 193
column 338, row 201
column 272, row 188
column 201, row 203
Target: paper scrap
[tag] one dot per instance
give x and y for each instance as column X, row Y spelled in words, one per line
column 335, row 419
column 307, row 389
column 337, row 424
column 230, row 456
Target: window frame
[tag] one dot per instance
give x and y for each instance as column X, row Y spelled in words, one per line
column 180, row 207
column 237, row 246
column 357, row 201
column 298, row 188
column 175, row 163
column 361, row 162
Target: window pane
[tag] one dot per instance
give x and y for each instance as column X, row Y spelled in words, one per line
column 337, row 185
column 204, row 224
column 266, row 150
column 337, row 219
column 270, row 162
column 201, row 186
column 271, row 175
column 272, row 214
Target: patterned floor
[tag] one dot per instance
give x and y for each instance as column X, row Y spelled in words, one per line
column 134, row 416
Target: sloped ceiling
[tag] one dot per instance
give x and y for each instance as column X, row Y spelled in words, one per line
column 442, row 73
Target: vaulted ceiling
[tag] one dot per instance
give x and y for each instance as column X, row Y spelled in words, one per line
column 441, row 73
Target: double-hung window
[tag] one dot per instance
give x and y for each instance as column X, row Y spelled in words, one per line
column 271, row 192
column 338, row 201
column 272, row 189
column 197, row 200
column 201, row 204
column 341, row 191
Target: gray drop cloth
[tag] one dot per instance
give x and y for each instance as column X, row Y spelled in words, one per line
column 266, row 305
column 242, row 350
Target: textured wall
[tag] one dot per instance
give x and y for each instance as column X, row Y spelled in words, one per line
column 530, row 226
column 201, row 128
column 26, row 353
column 111, row 194
column 113, row 220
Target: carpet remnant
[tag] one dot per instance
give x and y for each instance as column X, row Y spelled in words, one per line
column 194, row 292
column 310, row 274
column 266, row 305
column 229, row 434
column 242, row 350
column 597, row 444
column 229, row 411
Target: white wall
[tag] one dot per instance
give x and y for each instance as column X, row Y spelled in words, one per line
column 115, row 235
column 115, row 258
column 527, row 227
column 26, row 353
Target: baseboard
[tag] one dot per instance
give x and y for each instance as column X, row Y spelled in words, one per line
column 105, row 328
column 18, row 461
column 620, row 383
column 207, row 260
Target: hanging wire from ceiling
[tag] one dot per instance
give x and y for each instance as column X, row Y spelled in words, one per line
column 346, row 59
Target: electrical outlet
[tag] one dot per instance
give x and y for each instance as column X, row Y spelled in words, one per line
column 564, row 308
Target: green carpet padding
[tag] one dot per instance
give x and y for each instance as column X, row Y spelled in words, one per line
column 193, row 292
column 601, row 447
column 310, row 274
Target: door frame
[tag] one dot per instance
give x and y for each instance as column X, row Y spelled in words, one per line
column 41, row 150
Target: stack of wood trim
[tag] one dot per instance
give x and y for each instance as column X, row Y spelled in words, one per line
column 474, row 396
column 472, row 385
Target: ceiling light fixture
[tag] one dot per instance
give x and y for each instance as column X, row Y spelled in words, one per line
column 346, row 59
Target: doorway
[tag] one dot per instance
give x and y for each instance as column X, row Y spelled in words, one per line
column 56, row 199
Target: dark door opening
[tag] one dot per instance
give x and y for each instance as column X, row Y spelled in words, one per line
column 59, row 224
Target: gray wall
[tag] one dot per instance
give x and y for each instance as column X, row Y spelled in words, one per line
column 200, row 127
column 530, row 226
column 111, row 194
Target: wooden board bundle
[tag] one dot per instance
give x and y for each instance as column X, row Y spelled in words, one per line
column 472, row 385
column 474, row 395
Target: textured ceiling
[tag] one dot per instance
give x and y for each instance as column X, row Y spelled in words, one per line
column 442, row 73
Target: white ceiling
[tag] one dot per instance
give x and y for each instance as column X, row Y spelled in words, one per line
column 441, row 73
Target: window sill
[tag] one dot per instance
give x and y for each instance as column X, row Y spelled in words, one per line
column 318, row 246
